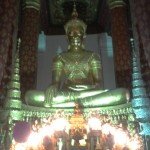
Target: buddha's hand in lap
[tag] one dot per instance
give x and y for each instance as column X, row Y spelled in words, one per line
column 50, row 92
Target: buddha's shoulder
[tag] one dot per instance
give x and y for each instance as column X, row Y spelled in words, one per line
column 64, row 53
column 92, row 54
column 85, row 53
column 60, row 57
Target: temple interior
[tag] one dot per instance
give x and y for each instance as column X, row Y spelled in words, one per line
column 74, row 75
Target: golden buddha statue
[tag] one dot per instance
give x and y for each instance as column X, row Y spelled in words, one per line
column 76, row 76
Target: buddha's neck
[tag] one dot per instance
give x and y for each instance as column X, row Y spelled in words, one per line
column 76, row 48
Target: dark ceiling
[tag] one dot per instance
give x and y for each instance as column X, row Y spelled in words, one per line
column 96, row 14
column 55, row 13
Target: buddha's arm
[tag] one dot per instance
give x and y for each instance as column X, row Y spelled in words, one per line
column 57, row 69
column 51, row 91
column 96, row 69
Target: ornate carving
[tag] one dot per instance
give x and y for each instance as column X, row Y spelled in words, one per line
column 35, row 4
column 115, row 3
column 60, row 10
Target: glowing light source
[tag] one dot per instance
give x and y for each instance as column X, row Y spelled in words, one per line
column 107, row 128
column 60, row 124
column 34, row 139
column 57, row 126
column 94, row 123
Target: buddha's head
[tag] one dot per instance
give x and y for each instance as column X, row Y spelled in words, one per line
column 75, row 30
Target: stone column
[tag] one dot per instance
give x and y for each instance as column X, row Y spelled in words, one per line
column 29, row 32
column 121, row 43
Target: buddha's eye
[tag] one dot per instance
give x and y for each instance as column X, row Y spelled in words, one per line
column 70, row 33
column 75, row 33
column 79, row 34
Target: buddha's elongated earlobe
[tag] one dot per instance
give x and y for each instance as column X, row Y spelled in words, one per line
column 84, row 36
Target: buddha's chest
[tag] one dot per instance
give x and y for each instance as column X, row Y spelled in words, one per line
column 76, row 66
column 76, row 62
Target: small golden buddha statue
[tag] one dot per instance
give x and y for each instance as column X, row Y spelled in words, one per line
column 81, row 70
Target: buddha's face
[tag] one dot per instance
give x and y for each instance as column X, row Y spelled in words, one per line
column 75, row 36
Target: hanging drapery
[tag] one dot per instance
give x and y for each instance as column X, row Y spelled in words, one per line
column 121, row 43
column 29, row 44
column 8, row 27
column 140, row 11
